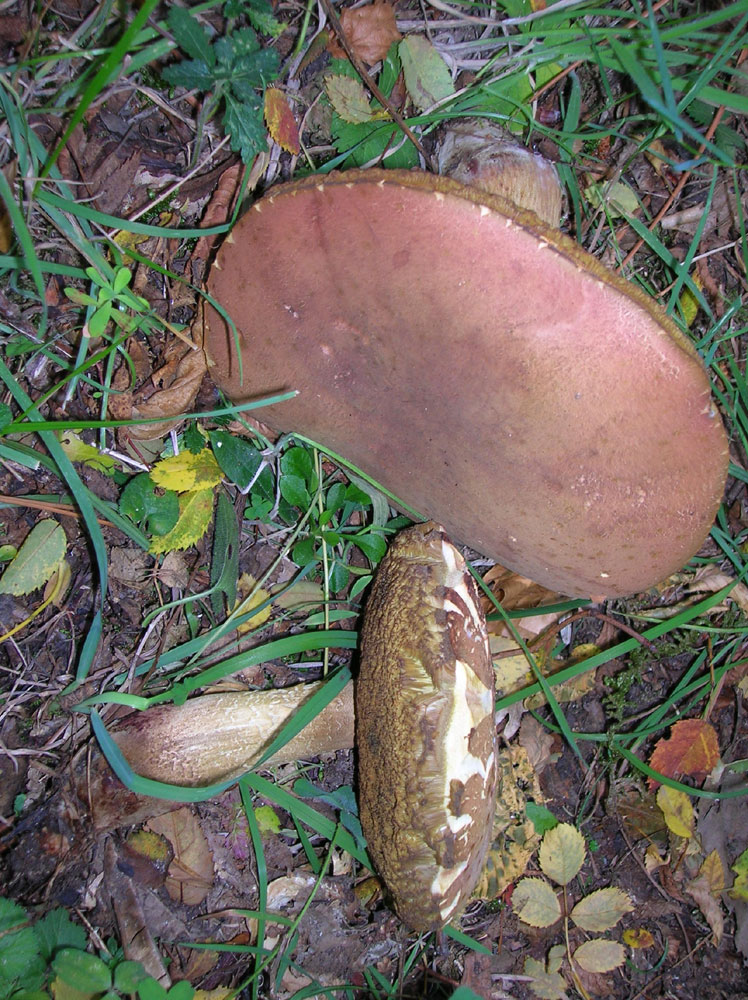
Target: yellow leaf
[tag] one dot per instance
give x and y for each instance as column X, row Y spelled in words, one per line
column 77, row 450
column 714, row 873
column 601, row 910
column 535, row 902
column 689, row 304
column 37, row 559
column 545, row 984
column 638, row 937
column 187, row 472
column 195, row 512
column 600, row 955
column 562, row 853
column 677, row 810
column 251, row 597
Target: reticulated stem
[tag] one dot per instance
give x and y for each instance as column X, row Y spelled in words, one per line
column 219, row 736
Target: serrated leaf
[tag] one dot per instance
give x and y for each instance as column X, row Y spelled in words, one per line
column 20, row 960
column 427, row 78
column 677, row 809
column 193, row 74
column 56, row 930
column 546, row 985
column 37, row 559
column 195, row 511
column 535, row 902
column 562, row 853
column 190, row 35
column 187, row 472
column 601, row 910
column 77, row 450
column 243, row 122
column 350, row 101
column 600, row 955
column 280, row 120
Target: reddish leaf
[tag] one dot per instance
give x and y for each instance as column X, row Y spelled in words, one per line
column 692, row 749
column 280, row 120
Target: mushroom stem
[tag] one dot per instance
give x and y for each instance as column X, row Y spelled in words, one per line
column 216, row 737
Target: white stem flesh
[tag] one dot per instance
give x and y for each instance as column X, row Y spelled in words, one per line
column 219, row 736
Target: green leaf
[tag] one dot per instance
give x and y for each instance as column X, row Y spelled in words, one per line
column 260, row 13
column 193, row 74
column 339, row 575
column 350, row 101
column 427, row 78
column 303, row 552
column 299, row 462
column 82, row 971
column 190, row 35
column 20, row 960
column 372, row 545
column 238, row 458
column 156, row 511
column 128, row 975
column 542, row 819
column 343, row 799
column 293, row 490
column 244, row 123
column 56, row 930
column 37, row 559
column 224, row 565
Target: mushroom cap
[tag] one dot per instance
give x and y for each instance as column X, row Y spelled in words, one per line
column 425, row 729
column 482, row 367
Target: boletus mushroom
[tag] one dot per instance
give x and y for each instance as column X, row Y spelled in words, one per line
column 478, row 363
column 425, row 729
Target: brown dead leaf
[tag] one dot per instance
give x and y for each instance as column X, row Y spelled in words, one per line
column 177, row 382
column 700, row 890
column 515, row 592
column 369, row 31
column 537, row 742
column 130, row 566
column 191, row 873
column 691, row 749
column 173, row 571
column 709, row 581
column 218, row 210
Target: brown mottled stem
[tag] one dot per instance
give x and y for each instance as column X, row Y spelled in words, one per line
column 216, row 737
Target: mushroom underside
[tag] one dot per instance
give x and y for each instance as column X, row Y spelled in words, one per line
column 487, row 371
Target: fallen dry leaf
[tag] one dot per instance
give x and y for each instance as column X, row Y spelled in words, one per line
column 700, row 890
column 537, row 741
column 691, row 749
column 369, row 31
column 281, row 123
column 190, row 876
